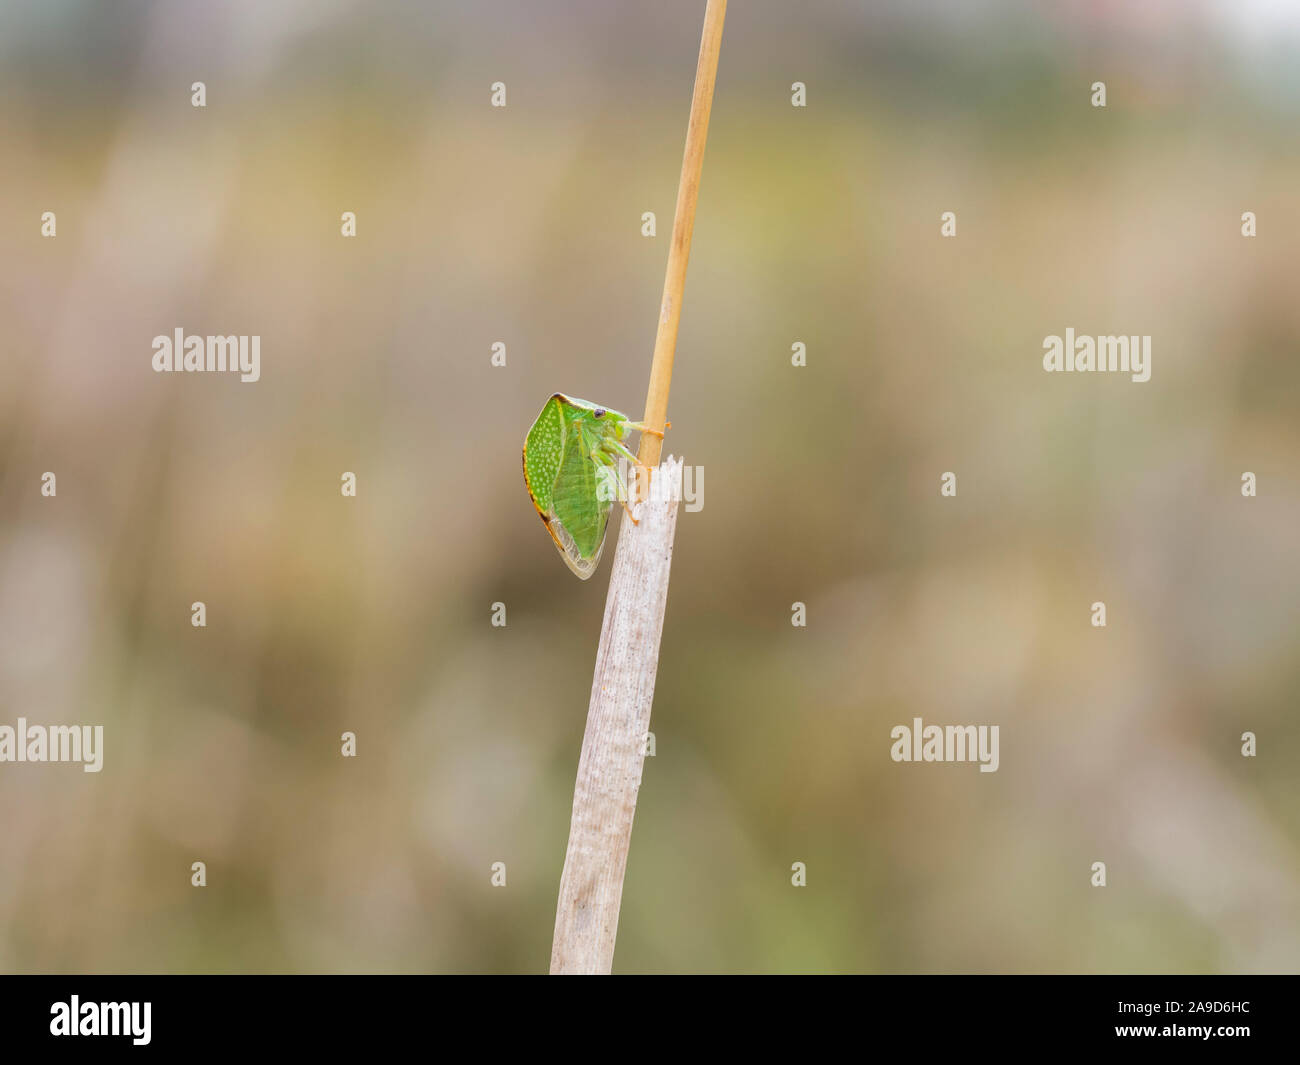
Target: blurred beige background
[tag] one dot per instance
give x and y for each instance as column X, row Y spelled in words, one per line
column 522, row 225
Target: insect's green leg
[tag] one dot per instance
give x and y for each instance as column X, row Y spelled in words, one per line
column 641, row 427
column 621, row 448
column 599, row 455
column 618, row 446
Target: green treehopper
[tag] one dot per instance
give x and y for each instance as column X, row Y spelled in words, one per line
column 570, row 459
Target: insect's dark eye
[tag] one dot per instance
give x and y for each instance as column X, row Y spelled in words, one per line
column 600, row 412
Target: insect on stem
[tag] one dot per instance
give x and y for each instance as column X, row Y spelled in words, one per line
column 627, row 660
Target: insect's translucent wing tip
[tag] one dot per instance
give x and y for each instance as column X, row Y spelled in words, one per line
column 583, row 567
